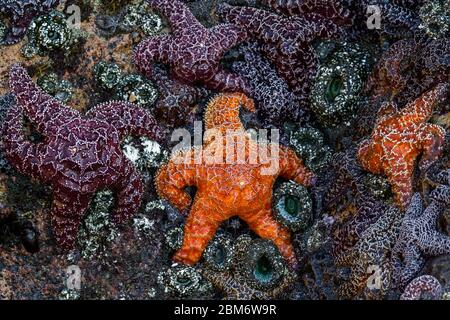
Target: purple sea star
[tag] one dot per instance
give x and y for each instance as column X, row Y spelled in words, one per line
column 78, row 156
column 275, row 102
column 419, row 237
column 192, row 51
column 372, row 253
column 285, row 41
column 334, row 10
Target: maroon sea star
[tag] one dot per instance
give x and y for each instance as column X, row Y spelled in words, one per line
column 78, row 156
column 334, row 10
column 285, row 41
column 419, row 237
column 192, row 51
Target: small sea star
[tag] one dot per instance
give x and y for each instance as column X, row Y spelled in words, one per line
column 285, row 41
column 399, row 137
column 21, row 13
column 78, row 155
column 192, row 51
column 229, row 186
column 418, row 237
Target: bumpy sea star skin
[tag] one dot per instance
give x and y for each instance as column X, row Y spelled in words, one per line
column 275, row 102
column 345, row 235
column 176, row 100
column 286, row 41
column 347, row 176
column 371, row 253
column 398, row 17
column 21, row 13
column 192, row 51
column 334, row 10
column 409, row 68
column 425, row 284
column 399, row 137
column 418, row 237
column 225, row 189
column 78, row 155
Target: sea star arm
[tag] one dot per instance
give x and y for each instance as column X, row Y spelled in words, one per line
column 334, row 10
column 180, row 17
column 421, row 109
column 227, row 81
column 128, row 119
column 25, row 155
column 264, row 225
column 292, row 167
column 173, row 177
column 155, row 49
column 398, row 16
column 314, row 26
column 42, row 109
column 413, row 261
column 201, row 226
column 415, row 207
column 129, row 192
column 66, row 215
column 358, row 274
column 438, row 244
column 256, row 22
column 227, row 36
column 400, row 175
column 432, row 138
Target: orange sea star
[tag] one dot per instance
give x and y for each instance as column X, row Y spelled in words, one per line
column 399, row 137
column 240, row 187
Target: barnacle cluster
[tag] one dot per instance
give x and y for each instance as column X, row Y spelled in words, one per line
column 130, row 18
column 96, row 228
column 435, row 18
column 127, row 87
column 183, row 281
column 144, row 153
column 60, row 89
